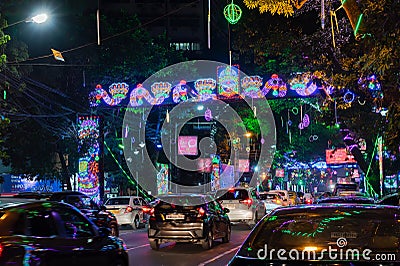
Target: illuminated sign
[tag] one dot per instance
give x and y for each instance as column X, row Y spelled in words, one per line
column 187, row 145
column 339, row 156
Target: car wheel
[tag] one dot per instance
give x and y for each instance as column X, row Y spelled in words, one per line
column 114, row 230
column 227, row 237
column 136, row 223
column 208, row 242
column 154, row 244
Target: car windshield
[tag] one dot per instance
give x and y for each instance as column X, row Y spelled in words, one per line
column 376, row 229
column 118, row 201
column 237, row 194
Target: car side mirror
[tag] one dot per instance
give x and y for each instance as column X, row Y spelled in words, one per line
column 104, row 231
column 226, row 210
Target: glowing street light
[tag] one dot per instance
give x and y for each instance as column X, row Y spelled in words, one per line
column 36, row 19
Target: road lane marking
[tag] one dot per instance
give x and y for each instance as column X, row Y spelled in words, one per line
column 219, row 256
column 142, row 246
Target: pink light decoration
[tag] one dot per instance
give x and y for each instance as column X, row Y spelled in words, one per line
column 208, row 115
column 179, row 92
column 277, row 85
column 187, row 145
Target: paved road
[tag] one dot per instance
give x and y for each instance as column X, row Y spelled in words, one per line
column 180, row 254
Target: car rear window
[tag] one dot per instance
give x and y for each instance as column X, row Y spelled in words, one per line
column 378, row 229
column 237, row 194
column 268, row 196
column 117, row 201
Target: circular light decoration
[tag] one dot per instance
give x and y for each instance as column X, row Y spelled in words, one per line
column 348, row 97
column 232, row 13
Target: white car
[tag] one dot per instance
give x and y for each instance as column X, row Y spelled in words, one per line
column 244, row 204
column 128, row 210
column 271, row 200
column 285, row 196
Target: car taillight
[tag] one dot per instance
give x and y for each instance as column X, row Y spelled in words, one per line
column 201, row 212
column 148, row 210
column 129, row 209
column 308, row 201
column 246, row 201
column 1, row 249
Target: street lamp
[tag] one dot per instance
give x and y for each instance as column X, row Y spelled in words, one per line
column 36, row 19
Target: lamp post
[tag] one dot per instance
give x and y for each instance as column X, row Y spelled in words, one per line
column 40, row 18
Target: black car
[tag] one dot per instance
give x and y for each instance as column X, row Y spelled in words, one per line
column 392, row 199
column 99, row 215
column 190, row 218
column 325, row 234
column 42, row 232
column 346, row 200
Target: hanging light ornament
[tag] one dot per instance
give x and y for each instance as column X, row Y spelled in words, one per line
column 232, row 13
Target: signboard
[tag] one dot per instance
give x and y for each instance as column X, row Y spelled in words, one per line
column 187, row 145
column 339, row 156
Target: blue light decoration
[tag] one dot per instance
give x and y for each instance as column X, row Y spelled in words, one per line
column 90, row 149
column 303, row 84
column 180, row 92
column 251, row 86
column 228, row 81
column 349, row 97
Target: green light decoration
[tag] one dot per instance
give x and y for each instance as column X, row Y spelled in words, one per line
column 232, row 13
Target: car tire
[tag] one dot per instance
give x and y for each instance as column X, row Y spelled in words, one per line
column 136, row 222
column 227, row 237
column 208, row 242
column 114, row 230
column 154, row 244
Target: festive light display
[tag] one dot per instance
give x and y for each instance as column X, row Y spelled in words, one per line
column 162, row 179
column 208, row 115
column 228, row 81
column 232, row 13
column 229, row 86
column 277, row 85
column 90, row 151
column 251, row 87
column 215, row 173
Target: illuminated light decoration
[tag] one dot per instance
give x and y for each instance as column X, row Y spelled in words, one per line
column 162, row 179
column 375, row 87
column 251, row 86
column 208, row 115
column 160, row 91
column 348, row 97
column 118, row 92
column 90, row 153
column 205, row 88
column 180, row 91
column 303, row 84
column 228, row 81
column 276, row 84
column 305, row 122
column 215, row 173
column 232, row 13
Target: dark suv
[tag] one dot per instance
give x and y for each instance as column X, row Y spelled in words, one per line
column 190, row 218
column 87, row 206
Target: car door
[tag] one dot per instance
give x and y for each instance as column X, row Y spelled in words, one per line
column 82, row 237
column 214, row 220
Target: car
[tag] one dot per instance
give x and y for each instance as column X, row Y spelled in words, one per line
column 40, row 232
column 293, row 198
column 344, row 187
column 351, row 193
column 244, row 204
column 326, row 234
column 173, row 218
column 392, row 199
column 271, row 201
column 285, row 196
column 98, row 214
column 128, row 210
column 308, row 198
column 346, row 200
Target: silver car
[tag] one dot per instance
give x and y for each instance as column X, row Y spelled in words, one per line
column 128, row 210
column 244, row 204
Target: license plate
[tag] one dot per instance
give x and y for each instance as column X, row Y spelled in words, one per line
column 343, row 234
column 114, row 211
column 175, row 216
